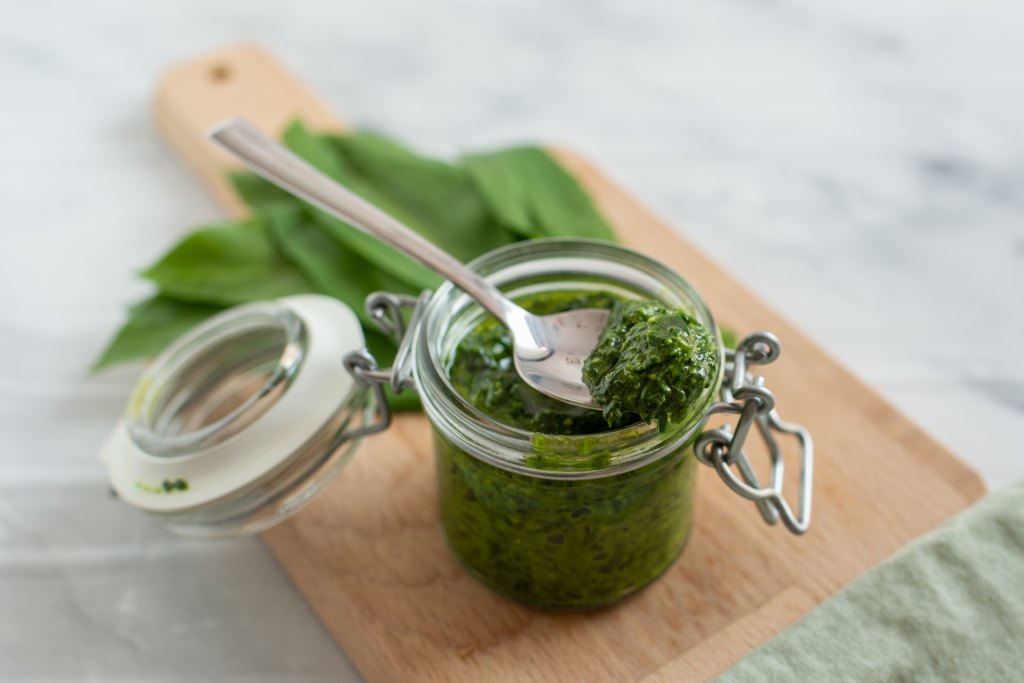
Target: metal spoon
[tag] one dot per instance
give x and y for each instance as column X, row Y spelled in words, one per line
column 549, row 350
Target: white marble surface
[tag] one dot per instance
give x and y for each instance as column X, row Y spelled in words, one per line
column 859, row 163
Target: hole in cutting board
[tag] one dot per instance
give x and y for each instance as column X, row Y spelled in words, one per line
column 220, row 73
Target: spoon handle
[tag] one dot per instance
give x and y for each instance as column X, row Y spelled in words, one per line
column 281, row 166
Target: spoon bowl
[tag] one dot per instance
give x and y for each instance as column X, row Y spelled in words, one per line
column 559, row 374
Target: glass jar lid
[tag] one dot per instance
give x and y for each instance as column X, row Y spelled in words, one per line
column 235, row 424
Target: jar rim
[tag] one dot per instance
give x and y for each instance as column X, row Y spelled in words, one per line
column 506, row 446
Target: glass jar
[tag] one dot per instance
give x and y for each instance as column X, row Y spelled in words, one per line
column 240, row 422
column 558, row 521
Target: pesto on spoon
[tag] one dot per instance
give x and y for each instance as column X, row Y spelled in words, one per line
column 652, row 364
column 651, row 360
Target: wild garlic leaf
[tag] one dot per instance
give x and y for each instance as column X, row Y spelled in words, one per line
column 438, row 199
column 531, row 194
column 329, row 266
column 225, row 265
column 729, row 337
column 257, row 192
column 406, row 402
column 383, row 349
column 152, row 324
column 505, row 190
column 318, row 151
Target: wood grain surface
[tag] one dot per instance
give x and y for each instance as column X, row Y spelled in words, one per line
column 369, row 556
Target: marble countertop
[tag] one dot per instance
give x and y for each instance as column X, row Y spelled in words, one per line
column 860, row 165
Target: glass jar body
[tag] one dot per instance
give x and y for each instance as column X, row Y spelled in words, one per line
column 569, row 543
column 558, row 521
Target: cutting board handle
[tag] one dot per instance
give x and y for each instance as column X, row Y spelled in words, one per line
column 239, row 80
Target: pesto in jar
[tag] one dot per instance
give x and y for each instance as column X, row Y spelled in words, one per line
column 580, row 542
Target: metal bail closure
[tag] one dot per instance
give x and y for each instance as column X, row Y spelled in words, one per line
column 246, row 417
column 745, row 394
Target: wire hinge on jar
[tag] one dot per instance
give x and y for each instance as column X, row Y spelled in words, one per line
column 745, row 394
column 387, row 311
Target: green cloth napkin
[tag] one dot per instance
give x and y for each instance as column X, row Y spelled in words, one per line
column 949, row 607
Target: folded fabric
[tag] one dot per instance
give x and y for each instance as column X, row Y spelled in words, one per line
column 949, row 607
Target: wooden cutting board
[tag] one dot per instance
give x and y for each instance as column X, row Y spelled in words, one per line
column 368, row 552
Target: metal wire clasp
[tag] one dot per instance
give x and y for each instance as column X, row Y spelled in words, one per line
column 745, row 394
column 387, row 311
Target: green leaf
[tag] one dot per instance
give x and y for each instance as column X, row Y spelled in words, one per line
column 383, row 349
column 226, row 265
column 406, row 402
column 331, row 268
column 436, row 199
column 497, row 177
column 152, row 324
column 531, row 194
column 257, row 192
column 319, row 152
column 729, row 338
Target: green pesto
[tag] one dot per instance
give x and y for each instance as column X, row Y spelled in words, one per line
column 568, row 544
column 166, row 486
column 652, row 361
column 562, row 543
column 483, row 372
